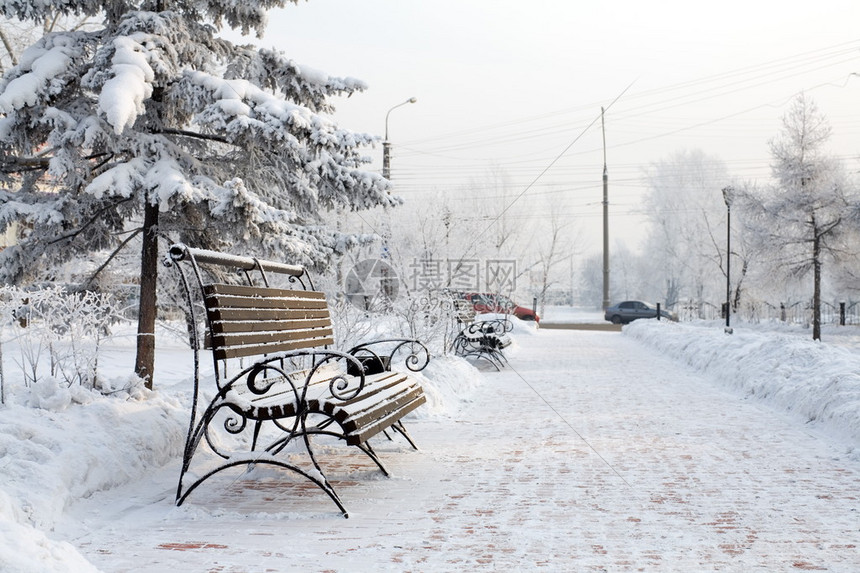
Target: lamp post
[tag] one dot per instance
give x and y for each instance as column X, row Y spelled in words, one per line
column 728, row 193
column 386, row 145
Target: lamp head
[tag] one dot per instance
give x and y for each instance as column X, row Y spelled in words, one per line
column 728, row 195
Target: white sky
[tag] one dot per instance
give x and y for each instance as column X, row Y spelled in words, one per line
column 510, row 85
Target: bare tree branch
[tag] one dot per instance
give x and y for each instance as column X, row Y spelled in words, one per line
column 89, row 222
column 195, row 135
column 6, row 44
column 111, row 257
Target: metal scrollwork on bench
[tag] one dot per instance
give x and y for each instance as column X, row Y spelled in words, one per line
column 416, row 360
column 256, row 370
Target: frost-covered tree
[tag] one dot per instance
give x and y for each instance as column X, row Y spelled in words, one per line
column 685, row 207
column 153, row 126
column 744, row 252
column 628, row 278
column 800, row 218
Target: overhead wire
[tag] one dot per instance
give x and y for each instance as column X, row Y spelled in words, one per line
column 789, row 61
column 439, row 161
column 784, row 67
column 472, row 244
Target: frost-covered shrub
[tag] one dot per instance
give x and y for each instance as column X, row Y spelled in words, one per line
column 58, row 333
column 424, row 316
column 352, row 325
column 427, row 316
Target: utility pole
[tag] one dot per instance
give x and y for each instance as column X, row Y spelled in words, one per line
column 386, row 159
column 606, row 302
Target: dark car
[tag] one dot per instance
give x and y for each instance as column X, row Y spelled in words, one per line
column 629, row 310
column 500, row 304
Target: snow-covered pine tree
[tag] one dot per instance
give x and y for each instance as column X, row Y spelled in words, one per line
column 153, row 126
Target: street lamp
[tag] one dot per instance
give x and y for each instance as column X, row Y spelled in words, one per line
column 386, row 145
column 728, row 196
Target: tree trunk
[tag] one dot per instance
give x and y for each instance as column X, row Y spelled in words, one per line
column 145, row 361
column 736, row 300
column 816, row 287
column 2, row 378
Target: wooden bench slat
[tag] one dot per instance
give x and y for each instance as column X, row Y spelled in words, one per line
column 374, row 385
column 245, row 314
column 370, row 431
column 357, row 410
column 224, row 327
column 244, row 290
column 222, row 353
column 280, row 400
column 245, row 339
column 379, row 409
column 219, row 301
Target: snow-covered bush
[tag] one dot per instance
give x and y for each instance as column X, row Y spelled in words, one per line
column 428, row 316
column 351, row 325
column 58, row 333
column 424, row 316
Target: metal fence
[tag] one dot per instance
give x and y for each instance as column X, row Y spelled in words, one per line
column 799, row 312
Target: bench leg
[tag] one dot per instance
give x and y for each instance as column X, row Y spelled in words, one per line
column 257, row 426
column 322, row 484
column 364, row 447
column 328, row 487
column 320, row 429
column 497, row 354
column 260, row 457
column 485, row 355
column 401, row 429
column 368, row 449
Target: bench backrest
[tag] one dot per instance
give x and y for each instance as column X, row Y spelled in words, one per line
column 464, row 311
column 251, row 321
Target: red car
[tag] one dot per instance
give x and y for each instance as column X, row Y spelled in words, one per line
column 500, row 304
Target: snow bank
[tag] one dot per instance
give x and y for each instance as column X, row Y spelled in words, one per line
column 449, row 383
column 52, row 458
column 25, row 550
column 818, row 382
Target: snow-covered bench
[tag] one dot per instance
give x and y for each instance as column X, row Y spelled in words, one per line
column 277, row 383
column 481, row 339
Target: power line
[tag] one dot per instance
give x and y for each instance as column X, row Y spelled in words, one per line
column 527, row 131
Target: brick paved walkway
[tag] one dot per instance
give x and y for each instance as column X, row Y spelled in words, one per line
column 603, row 459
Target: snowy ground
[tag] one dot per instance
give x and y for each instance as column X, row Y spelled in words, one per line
column 670, row 447
column 566, row 314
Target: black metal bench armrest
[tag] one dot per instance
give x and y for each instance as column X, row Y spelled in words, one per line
column 494, row 326
column 375, row 361
column 497, row 325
